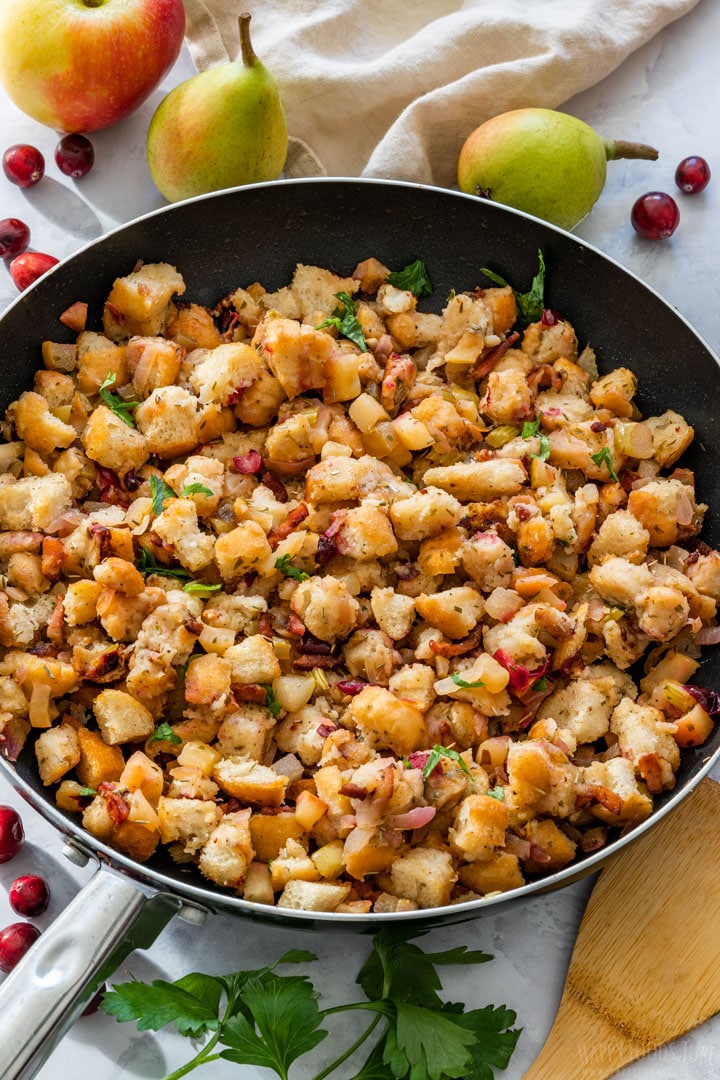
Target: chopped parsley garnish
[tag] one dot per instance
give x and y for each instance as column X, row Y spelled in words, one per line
column 200, row 588
column 344, row 319
column 87, row 792
column 439, row 752
column 123, row 409
column 271, row 701
column 164, row 733
column 459, row 681
column 413, row 277
column 532, row 428
column 284, row 565
column 162, row 491
column 148, row 564
column 541, row 684
column 530, row 304
column 497, row 793
column 268, row 1020
column 603, row 457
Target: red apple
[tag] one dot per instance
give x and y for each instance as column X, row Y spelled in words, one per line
column 80, row 65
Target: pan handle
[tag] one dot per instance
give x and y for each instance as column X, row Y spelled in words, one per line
column 45, row 993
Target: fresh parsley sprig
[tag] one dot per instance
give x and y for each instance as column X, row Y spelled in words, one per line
column 603, row 457
column 164, row 733
column 459, row 681
column 148, row 564
column 284, row 564
column 439, row 752
column 530, row 304
column 531, row 428
column 161, row 491
column 123, row 409
column 344, row 319
column 271, row 1020
column 413, row 277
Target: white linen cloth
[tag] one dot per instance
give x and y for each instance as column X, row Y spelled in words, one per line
column 392, row 88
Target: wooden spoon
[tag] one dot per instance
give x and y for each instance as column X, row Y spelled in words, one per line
column 646, row 964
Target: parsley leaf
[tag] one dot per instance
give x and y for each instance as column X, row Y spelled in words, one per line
column 164, row 733
column 123, row 409
column 541, row 684
column 148, row 564
column 459, row 681
column 87, row 792
column 284, row 565
column 603, row 457
column 530, row 304
column 413, row 277
column 286, row 1023
column 344, row 319
column 425, row 1044
column 532, row 428
column 439, row 752
column 160, row 492
column 195, row 489
column 497, row 793
column 271, row 700
column 495, row 1039
column 200, row 588
column 191, row 1004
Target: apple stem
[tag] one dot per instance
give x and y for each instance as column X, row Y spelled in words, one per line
column 248, row 53
column 620, row 149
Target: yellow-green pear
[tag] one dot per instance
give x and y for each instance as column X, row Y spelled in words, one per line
column 218, row 129
column 544, row 162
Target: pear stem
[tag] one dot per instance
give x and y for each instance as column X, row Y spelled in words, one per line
column 620, row 149
column 248, row 53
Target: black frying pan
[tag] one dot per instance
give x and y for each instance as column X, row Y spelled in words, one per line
column 259, row 233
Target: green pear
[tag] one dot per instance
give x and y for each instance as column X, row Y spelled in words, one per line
column 219, row 129
column 544, row 162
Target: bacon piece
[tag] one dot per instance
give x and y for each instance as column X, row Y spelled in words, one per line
column 307, row 663
column 488, row 362
column 596, row 793
column 276, row 486
column 53, row 556
column 295, row 625
column 650, row 766
column 250, row 692
column 281, row 532
column 398, row 379
column 458, row 648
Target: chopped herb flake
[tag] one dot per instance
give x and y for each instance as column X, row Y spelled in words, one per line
column 123, row 409
column 148, row 564
column 413, row 277
column 164, row 733
column 459, row 681
column 439, row 752
column 603, row 457
column 346, row 322
column 284, row 565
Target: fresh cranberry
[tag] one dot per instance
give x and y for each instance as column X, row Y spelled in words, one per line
column 692, row 175
column 15, row 940
column 74, row 155
column 655, row 215
column 12, row 833
column 28, row 267
column 29, row 895
column 23, row 165
column 14, row 237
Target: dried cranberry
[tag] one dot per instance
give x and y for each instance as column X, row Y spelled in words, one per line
column 351, row 687
column 550, row 317
column 325, row 551
column 314, row 647
column 249, row 463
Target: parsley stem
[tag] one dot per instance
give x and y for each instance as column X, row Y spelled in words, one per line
column 351, row 1049
column 200, row 1059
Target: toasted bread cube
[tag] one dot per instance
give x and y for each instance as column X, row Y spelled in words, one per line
column 99, row 762
column 170, row 420
column 271, row 832
column 98, row 357
column 225, row 373
column 258, row 405
column 37, row 426
column 478, row 481
column 414, row 683
column 119, row 574
column 298, row 734
column 455, row 612
column 207, row 678
column 193, row 327
column 426, row 513
column 501, row 873
column 112, row 443
column 292, row 863
column 228, row 853
column 178, row 526
column 479, row 827
column 295, row 353
column 80, row 601
column 425, row 875
column 153, row 362
column 365, row 534
column 253, row 660
column 250, row 782
column 313, row 895
column 386, row 722
column 242, row 550
column 24, row 571
column 189, row 822
column 246, row 733
column 394, row 613
column 57, row 751
column 208, row 472
column 122, row 718
column 33, row 502
column 135, row 840
column 138, row 303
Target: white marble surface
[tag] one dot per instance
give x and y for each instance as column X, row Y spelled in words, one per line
column 666, row 94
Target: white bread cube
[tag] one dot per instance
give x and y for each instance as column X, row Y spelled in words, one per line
column 313, row 895
column 250, row 782
column 425, row 875
column 57, row 751
column 112, row 443
column 121, row 717
column 37, row 426
column 253, row 660
column 228, row 852
column 189, row 822
column 225, row 372
column 170, row 421
column 98, row 357
column 33, row 502
column 246, row 733
column 242, row 550
column 177, row 525
column 138, row 303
